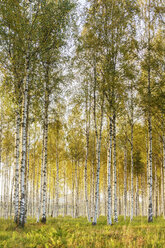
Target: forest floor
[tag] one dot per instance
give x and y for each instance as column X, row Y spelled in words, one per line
column 68, row 232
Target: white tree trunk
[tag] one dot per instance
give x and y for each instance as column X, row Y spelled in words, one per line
column 16, row 200
column 93, row 189
column 73, row 182
column 137, row 196
column 109, row 166
column 150, row 210
column 57, row 179
column 44, row 191
column 132, row 165
column 125, row 182
column 115, row 169
column 76, row 193
column 98, row 151
column 24, row 151
column 142, row 192
column 156, row 192
column 150, row 207
column 41, row 176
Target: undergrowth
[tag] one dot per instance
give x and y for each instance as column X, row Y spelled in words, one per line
column 71, row 233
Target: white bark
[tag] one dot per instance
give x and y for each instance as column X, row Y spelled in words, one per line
column 41, row 176
column 98, row 151
column 109, row 166
column 125, row 182
column 24, row 151
column 16, row 200
column 150, row 207
column 132, row 163
column 73, row 182
column 44, row 190
column 150, row 210
column 76, row 188
column 57, row 179
column 156, row 192
column 93, row 189
column 142, row 192
column 115, row 169
column 27, row 178
column 86, row 157
column 137, row 196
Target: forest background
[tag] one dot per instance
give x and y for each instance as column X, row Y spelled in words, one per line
column 82, row 110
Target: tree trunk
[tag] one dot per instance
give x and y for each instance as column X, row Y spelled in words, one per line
column 57, row 178
column 16, row 200
column 150, row 211
column 132, row 165
column 137, row 196
column 115, row 169
column 109, row 212
column 125, row 182
column 24, row 150
column 150, row 207
column 98, row 151
column 76, row 193
column 41, row 183
column 73, row 181
column 43, row 220
column 142, row 192
column 156, row 192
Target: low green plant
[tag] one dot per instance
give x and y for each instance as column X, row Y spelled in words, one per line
column 78, row 233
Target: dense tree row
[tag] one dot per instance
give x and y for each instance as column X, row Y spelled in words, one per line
column 82, row 129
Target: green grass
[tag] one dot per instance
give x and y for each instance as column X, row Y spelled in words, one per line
column 68, row 232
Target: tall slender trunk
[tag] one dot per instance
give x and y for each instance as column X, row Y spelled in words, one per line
column 57, row 178
column 37, row 191
column 148, row 172
column 33, row 200
column 115, row 169
column 73, row 182
column 86, row 157
column 64, row 210
column 49, row 198
column 125, row 182
column 24, row 149
column 43, row 220
column 16, row 200
column 150, row 207
column 27, row 176
column 132, row 163
column 150, row 210
column 76, row 193
column 142, row 192
column 156, row 192
column 93, row 189
column 11, row 197
column 90, row 203
column 41, row 175
column 98, row 151
column 109, row 213
column 137, row 195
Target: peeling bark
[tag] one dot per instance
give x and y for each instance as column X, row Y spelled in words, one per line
column 109, row 166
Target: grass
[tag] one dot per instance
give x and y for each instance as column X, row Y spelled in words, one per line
column 68, row 232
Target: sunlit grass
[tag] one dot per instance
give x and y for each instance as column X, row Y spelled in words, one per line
column 68, row 232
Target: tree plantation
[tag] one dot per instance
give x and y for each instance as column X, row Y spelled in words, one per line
column 82, row 123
